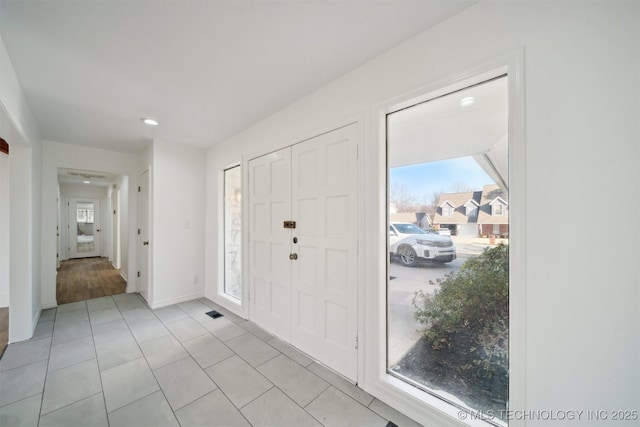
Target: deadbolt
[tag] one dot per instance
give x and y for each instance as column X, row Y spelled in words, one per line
column 145, row 243
column 295, row 240
column 293, row 256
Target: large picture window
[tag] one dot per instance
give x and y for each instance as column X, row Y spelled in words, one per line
column 233, row 232
column 448, row 271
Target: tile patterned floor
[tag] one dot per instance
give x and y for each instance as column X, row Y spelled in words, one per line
column 112, row 361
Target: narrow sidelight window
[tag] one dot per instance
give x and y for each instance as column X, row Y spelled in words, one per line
column 233, row 232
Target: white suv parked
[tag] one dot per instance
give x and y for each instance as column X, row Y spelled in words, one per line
column 412, row 244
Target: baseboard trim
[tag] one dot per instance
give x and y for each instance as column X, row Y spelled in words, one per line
column 34, row 325
column 170, row 301
column 49, row 304
column 124, row 276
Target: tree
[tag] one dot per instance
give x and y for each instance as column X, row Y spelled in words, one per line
column 402, row 198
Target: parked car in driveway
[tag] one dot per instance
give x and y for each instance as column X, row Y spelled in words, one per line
column 444, row 231
column 411, row 244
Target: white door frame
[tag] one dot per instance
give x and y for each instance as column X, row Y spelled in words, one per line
column 116, row 240
column 72, row 235
column 144, row 279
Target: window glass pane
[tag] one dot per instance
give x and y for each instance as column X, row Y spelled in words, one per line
column 232, row 232
column 85, row 235
column 448, row 288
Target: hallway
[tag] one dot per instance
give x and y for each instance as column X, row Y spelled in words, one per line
column 112, row 361
column 87, row 278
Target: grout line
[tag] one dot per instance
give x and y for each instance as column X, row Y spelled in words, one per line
column 46, row 371
column 203, row 369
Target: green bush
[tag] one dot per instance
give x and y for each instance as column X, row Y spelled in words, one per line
column 469, row 314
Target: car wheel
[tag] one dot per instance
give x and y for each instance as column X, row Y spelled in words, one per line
column 407, row 256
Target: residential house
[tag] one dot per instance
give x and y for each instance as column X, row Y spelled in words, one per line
column 473, row 213
column 459, row 212
column 493, row 212
column 76, row 77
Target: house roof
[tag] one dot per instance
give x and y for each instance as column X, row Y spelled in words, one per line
column 489, row 194
column 412, row 217
column 458, row 202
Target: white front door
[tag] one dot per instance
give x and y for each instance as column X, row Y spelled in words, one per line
column 143, row 236
column 270, row 243
column 325, row 282
column 304, row 279
column 84, row 228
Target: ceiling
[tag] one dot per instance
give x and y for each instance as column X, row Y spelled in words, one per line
column 206, row 70
column 448, row 127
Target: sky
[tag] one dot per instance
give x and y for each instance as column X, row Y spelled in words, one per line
column 422, row 180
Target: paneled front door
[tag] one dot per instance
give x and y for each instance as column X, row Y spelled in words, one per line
column 303, row 279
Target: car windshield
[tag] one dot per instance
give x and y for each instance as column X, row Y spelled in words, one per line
column 409, row 229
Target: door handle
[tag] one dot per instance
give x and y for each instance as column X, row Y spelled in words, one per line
column 98, row 230
column 145, row 243
column 293, row 256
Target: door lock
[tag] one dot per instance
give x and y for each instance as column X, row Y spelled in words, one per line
column 295, row 240
column 145, row 243
column 293, row 256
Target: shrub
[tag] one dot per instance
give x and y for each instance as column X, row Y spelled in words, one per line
column 469, row 314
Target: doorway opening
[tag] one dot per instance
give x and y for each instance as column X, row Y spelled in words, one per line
column 448, row 241
column 92, row 231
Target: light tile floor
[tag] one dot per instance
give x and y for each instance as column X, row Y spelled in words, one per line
column 112, row 361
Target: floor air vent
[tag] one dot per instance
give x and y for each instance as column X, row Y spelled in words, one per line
column 214, row 314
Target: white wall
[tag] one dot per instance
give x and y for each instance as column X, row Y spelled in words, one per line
column 177, row 240
column 18, row 128
column 581, row 62
column 21, row 288
column 36, row 238
column 60, row 155
column 4, row 230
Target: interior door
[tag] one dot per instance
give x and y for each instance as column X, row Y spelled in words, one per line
column 303, row 280
column 325, row 206
column 84, row 228
column 270, row 243
column 143, row 236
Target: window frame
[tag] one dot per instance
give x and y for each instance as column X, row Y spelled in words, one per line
column 225, row 220
column 231, row 303
column 417, row 404
column 473, row 211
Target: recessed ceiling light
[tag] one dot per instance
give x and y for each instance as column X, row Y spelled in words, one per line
column 87, row 182
column 150, row 122
column 467, row 101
